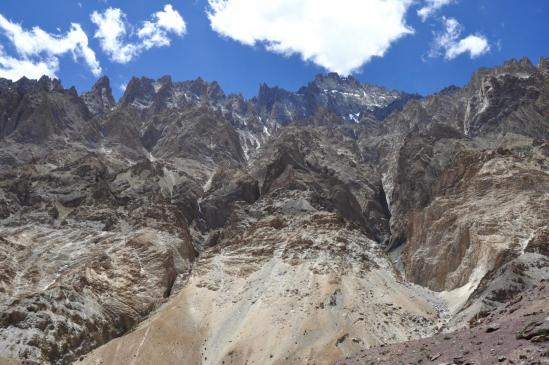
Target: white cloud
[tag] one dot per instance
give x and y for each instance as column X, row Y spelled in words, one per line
column 431, row 7
column 13, row 68
column 170, row 20
column 113, row 30
column 338, row 35
column 155, row 33
column 449, row 44
column 38, row 51
column 474, row 44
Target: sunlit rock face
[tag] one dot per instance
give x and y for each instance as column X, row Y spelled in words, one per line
column 448, row 247
column 184, row 225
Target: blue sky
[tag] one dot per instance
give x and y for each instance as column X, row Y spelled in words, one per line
column 414, row 54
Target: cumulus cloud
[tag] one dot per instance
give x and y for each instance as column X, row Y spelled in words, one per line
column 431, row 7
column 14, row 68
column 474, row 44
column 38, row 52
column 340, row 36
column 449, row 44
column 113, row 31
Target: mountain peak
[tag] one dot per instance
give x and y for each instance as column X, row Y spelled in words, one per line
column 333, row 80
column 523, row 68
column 140, row 90
column 48, row 84
column 102, row 83
column 99, row 99
column 204, row 89
column 544, row 64
column 336, row 77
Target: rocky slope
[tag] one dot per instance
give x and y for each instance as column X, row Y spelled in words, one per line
column 290, row 228
column 514, row 333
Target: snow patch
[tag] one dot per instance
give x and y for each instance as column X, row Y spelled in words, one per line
column 354, row 117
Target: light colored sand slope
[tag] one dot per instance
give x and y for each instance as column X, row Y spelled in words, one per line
column 311, row 302
column 6, row 361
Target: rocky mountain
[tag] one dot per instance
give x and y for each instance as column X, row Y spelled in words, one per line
column 100, row 100
column 184, row 225
column 256, row 119
column 344, row 96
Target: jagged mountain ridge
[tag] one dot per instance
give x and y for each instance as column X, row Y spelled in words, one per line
column 344, row 96
column 110, row 211
column 257, row 118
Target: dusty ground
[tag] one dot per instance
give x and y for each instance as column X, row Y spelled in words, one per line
column 495, row 339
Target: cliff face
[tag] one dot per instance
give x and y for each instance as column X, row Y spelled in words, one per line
column 448, row 247
column 290, row 228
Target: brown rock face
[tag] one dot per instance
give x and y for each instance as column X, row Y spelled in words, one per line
column 413, row 147
column 100, row 295
column 487, row 208
column 89, row 248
